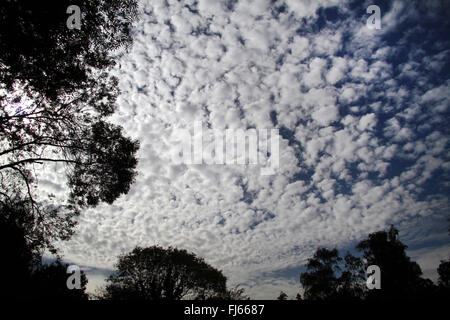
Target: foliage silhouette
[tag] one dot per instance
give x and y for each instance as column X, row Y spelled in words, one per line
column 352, row 281
column 329, row 277
column 401, row 277
column 444, row 274
column 320, row 281
column 443, row 271
column 155, row 273
column 25, row 277
column 48, row 282
column 235, row 293
column 18, row 258
column 39, row 228
column 39, row 52
column 282, row 296
column 56, row 91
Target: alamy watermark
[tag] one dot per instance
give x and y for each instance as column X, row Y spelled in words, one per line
column 74, row 280
column 230, row 146
column 74, row 20
column 374, row 21
column 374, row 279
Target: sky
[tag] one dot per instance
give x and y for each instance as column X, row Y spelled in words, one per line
column 362, row 116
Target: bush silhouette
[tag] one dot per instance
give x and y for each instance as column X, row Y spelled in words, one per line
column 156, row 273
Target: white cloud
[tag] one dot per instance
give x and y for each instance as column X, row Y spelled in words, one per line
column 337, row 72
column 367, row 122
column 325, row 115
column 308, row 8
column 314, row 77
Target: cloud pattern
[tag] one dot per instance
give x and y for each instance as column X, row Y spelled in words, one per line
column 362, row 116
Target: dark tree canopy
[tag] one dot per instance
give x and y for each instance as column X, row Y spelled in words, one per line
column 329, row 277
column 352, row 280
column 56, row 91
column 24, row 275
column 16, row 212
column 282, row 296
column 49, row 282
column 106, row 170
column 320, row 281
column 235, row 293
column 18, row 256
column 39, row 53
column 401, row 277
column 444, row 274
column 155, row 273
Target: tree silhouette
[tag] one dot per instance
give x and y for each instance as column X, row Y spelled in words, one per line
column 443, row 271
column 38, row 227
column 235, row 293
column 352, row 281
column 329, row 277
column 41, row 55
column 282, row 296
column 400, row 277
column 155, row 273
column 49, row 282
column 55, row 94
column 320, row 281
column 443, row 290
column 444, row 274
column 18, row 257
column 24, row 275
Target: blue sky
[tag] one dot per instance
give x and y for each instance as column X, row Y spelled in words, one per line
column 363, row 116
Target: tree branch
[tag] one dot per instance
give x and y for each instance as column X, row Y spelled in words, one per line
column 31, row 160
column 36, row 142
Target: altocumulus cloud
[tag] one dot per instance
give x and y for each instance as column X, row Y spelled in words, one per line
column 363, row 117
